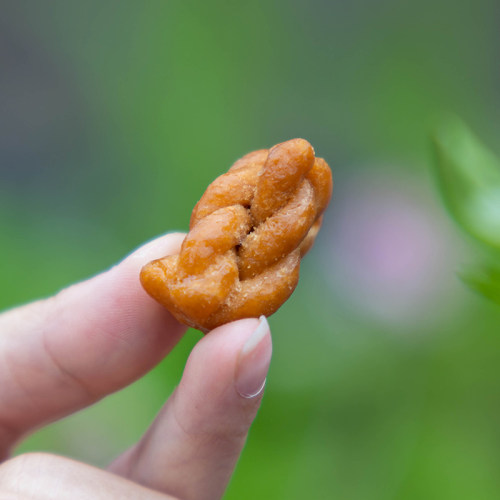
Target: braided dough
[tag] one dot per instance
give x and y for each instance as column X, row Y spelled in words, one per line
column 247, row 234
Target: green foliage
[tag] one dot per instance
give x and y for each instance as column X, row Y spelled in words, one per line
column 468, row 176
column 469, row 179
column 484, row 280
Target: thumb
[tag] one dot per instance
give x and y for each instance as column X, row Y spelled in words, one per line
column 193, row 446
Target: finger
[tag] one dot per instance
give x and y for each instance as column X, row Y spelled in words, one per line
column 49, row 477
column 63, row 353
column 192, row 447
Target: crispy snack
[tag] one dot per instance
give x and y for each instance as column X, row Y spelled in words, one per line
column 247, row 234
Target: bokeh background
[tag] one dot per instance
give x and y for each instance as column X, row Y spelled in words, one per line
column 114, row 116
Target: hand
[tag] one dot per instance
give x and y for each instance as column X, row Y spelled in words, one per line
column 64, row 353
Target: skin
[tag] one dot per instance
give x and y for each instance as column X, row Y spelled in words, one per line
column 61, row 354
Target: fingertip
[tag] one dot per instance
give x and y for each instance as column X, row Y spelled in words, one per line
column 220, row 348
column 225, row 376
column 125, row 278
column 253, row 362
column 244, row 348
column 167, row 244
column 230, row 334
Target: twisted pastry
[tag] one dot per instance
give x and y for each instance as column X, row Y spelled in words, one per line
column 248, row 232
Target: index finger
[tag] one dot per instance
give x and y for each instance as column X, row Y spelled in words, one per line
column 60, row 354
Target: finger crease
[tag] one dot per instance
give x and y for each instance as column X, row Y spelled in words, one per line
column 68, row 374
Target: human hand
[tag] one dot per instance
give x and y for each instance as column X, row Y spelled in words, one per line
column 61, row 354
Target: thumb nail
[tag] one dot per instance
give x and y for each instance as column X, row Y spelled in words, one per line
column 253, row 361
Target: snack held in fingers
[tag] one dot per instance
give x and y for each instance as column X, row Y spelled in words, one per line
column 247, row 234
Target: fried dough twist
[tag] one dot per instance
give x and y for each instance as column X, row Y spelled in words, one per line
column 248, row 232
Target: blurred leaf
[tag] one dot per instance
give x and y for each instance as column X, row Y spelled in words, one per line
column 469, row 179
column 484, row 280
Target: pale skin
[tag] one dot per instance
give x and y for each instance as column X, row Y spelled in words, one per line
column 62, row 354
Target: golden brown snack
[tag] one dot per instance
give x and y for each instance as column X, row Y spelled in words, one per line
column 247, row 234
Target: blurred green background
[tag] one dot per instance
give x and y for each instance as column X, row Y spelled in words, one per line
column 114, row 116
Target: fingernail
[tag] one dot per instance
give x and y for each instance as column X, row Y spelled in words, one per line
column 253, row 362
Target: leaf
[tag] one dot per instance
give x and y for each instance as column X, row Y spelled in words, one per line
column 468, row 176
column 485, row 280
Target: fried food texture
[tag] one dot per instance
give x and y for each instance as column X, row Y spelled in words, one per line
column 247, row 234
